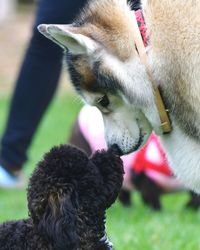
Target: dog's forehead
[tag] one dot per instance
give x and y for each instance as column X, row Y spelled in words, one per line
column 110, row 24
column 91, row 77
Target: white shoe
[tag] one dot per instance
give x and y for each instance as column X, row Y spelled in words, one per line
column 8, row 181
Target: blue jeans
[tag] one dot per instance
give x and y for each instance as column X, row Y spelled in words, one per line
column 36, row 83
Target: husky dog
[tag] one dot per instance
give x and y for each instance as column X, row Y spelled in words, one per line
column 107, row 72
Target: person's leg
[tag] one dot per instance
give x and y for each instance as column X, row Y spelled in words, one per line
column 36, row 84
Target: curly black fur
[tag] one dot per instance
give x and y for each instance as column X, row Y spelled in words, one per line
column 68, row 194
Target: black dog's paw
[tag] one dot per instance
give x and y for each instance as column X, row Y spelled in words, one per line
column 194, row 202
column 125, row 197
column 149, row 190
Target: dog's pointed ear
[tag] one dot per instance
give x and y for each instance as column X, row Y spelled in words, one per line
column 69, row 37
column 58, row 223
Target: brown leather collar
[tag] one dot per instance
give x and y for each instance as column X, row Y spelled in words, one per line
column 164, row 118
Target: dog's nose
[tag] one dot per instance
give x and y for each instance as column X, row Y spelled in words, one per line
column 116, row 149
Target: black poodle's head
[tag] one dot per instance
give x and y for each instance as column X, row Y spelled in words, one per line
column 52, row 194
column 67, row 181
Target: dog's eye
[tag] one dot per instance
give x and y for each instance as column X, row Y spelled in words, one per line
column 103, row 101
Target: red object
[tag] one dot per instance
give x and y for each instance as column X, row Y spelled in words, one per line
column 151, row 156
column 142, row 26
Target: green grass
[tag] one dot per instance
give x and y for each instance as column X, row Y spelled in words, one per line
column 54, row 130
column 135, row 228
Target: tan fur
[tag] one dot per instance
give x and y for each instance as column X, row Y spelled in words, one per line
column 82, row 67
column 110, row 25
column 174, row 28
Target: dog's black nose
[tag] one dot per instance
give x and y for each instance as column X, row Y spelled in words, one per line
column 116, row 149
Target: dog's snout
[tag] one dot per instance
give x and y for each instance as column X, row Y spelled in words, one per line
column 116, row 149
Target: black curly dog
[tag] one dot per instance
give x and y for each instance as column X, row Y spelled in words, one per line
column 68, row 194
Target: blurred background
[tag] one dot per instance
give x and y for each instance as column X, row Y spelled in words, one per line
column 15, row 26
column 16, row 20
column 138, row 226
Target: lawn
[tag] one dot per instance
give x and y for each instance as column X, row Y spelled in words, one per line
column 135, row 228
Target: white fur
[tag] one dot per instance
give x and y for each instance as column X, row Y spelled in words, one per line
column 184, row 158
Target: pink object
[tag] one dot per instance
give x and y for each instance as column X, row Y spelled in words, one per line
column 92, row 127
column 168, row 183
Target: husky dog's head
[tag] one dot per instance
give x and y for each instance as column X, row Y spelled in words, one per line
column 106, row 70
